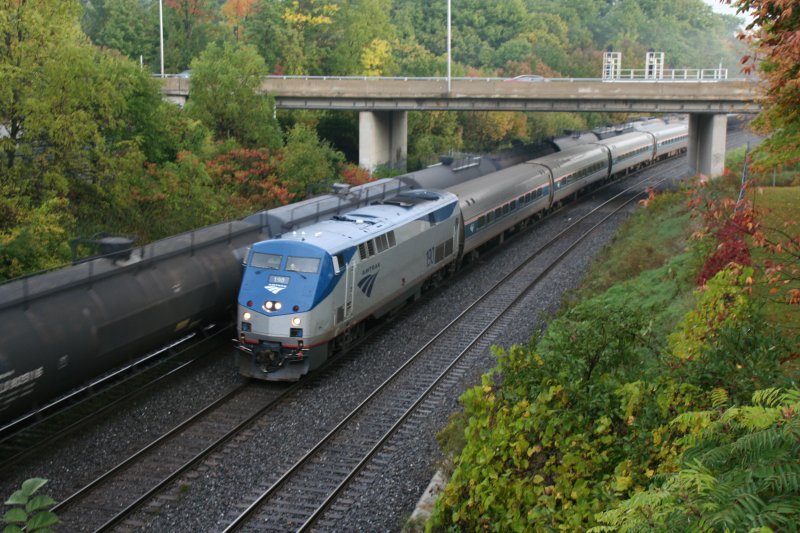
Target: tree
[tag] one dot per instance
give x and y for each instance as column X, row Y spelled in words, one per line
column 70, row 152
column 187, row 30
column 236, row 13
column 492, row 129
column 292, row 35
column 363, row 38
column 32, row 33
column 776, row 56
column 226, row 96
column 130, row 28
column 431, row 133
column 249, row 178
column 308, row 163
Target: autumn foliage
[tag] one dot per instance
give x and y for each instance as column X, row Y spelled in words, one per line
column 250, row 176
column 731, row 247
column 355, row 175
column 775, row 42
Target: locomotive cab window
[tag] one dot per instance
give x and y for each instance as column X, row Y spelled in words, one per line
column 338, row 263
column 308, row 265
column 270, row 261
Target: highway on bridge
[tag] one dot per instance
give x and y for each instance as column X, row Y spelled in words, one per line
column 497, row 94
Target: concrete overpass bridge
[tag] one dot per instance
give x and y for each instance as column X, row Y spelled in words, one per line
column 383, row 104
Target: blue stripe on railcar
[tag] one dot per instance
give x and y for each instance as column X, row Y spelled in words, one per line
column 492, row 217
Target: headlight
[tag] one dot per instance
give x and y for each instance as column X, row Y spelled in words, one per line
column 268, row 306
column 278, row 306
column 296, row 321
column 246, row 316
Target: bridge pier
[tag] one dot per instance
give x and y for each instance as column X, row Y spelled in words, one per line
column 707, row 136
column 382, row 139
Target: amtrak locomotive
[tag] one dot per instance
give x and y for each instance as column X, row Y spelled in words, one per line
column 309, row 293
column 306, row 295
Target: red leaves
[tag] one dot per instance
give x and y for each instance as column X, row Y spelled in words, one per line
column 732, row 248
column 355, row 175
column 651, row 193
column 250, row 177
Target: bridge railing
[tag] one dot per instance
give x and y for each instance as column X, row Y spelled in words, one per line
column 684, row 74
column 716, row 74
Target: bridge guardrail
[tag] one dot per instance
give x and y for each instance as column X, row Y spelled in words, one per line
column 624, row 75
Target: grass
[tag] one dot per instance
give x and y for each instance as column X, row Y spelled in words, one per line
column 779, row 206
column 644, row 242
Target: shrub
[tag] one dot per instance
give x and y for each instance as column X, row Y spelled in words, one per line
column 742, row 472
column 28, row 509
column 725, row 342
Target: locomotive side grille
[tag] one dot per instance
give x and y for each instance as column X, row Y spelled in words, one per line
column 448, row 247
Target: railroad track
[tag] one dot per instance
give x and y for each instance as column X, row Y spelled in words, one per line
column 29, row 434
column 104, row 502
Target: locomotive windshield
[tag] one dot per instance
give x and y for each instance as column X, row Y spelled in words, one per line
column 270, row 261
column 308, row 265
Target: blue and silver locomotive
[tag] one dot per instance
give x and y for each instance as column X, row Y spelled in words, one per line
column 309, row 293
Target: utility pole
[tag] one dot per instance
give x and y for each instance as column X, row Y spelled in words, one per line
column 161, row 32
column 448, row 46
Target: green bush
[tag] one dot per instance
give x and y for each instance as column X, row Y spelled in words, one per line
column 28, row 509
column 565, row 429
column 742, row 472
column 725, row 342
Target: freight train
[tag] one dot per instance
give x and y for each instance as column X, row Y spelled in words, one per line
column 308, row 294
column 60, row 330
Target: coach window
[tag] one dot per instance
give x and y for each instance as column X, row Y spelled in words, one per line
column 308, row 265
column 270, row 261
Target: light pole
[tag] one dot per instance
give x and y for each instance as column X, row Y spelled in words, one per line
column 448, row 46
column 161, row 33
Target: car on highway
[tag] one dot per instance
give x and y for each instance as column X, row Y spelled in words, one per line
column 528, row 77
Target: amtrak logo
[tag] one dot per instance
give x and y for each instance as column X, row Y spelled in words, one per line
column 275, row 289
column 367, row 283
